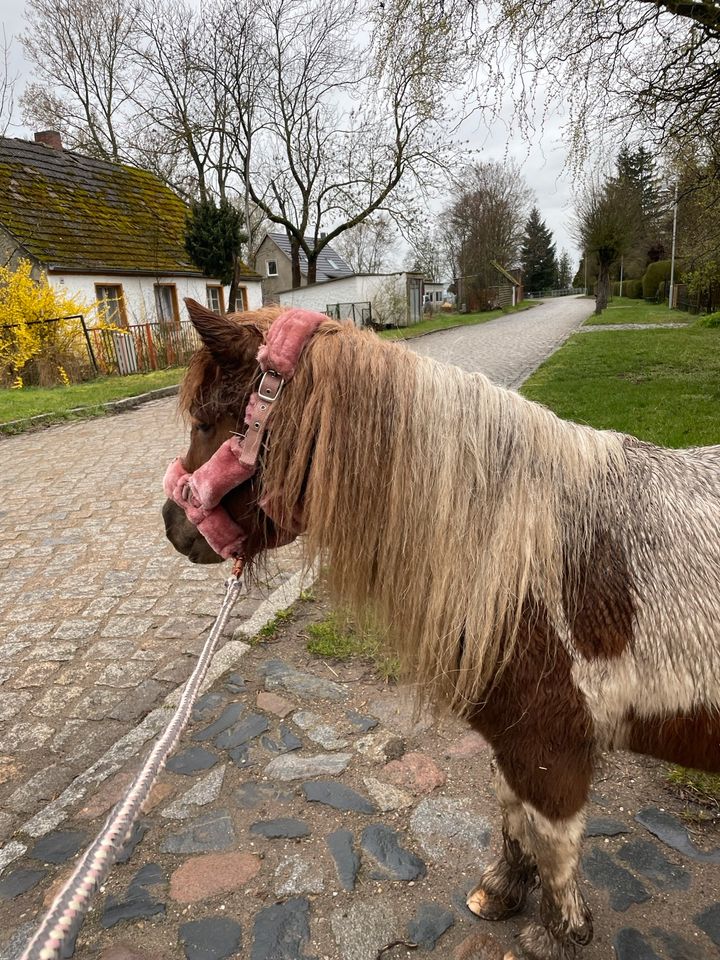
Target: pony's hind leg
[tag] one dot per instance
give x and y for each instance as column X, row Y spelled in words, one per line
column 566, row 919
column 504, row 885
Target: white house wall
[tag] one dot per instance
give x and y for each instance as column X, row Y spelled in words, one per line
column 357, row 289
column 139, row 294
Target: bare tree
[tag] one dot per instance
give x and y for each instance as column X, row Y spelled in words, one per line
column 7, row 86
column 87, row 79
column 484, row 222
column 368, row 246
column 181, row 108
column 644, row 67
column 428, row 253
column 606, row 226
column 335, row 132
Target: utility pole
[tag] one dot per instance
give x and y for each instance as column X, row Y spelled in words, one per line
column 622, row 261
column 672, row 256
column 585, row 262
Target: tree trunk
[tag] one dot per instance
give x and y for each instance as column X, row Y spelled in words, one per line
column 603, row 287
column 312, row 270
column 232, row 296
column 295, row 261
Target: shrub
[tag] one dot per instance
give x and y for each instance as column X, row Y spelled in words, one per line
column 711, row 320
column 633, row 289
column 31, row 349
column 655, row 274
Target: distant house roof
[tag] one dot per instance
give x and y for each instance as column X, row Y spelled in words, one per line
column 75, row 213
column 247, row 273
column 330, row 265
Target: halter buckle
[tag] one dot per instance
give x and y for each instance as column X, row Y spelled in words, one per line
column 267, row 392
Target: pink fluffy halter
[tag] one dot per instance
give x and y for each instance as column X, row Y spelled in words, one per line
column 199, row 493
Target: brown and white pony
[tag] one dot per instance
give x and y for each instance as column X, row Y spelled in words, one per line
column 556, row 585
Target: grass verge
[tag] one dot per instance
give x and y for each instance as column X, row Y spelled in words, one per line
column 696, row 785
column 448, row 321
column 270, row 630
column 638, row 311
column 336, row 638
column 59, row 402
column 660, row 385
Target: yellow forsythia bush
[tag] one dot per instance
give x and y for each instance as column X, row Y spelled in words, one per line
column 33, row 351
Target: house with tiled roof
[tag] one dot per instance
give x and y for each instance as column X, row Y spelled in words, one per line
column 275, row 266
column 106, row 232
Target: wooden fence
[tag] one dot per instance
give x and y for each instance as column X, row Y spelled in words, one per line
column 144, row 347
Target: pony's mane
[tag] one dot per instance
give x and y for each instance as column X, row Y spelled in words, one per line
column 446, row 507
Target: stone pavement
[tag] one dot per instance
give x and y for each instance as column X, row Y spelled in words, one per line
column 308, row 813
column 508, row 349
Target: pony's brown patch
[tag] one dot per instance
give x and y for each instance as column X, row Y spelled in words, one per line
column 538, row 724
column 599, row 597
column 692, row 739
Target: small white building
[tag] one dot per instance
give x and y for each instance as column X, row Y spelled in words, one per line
column 106, row 232
column 394, row 299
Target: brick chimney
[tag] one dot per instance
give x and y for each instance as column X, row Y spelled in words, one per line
column 51, row 138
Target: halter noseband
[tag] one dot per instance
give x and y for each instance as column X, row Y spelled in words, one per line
column 199, row 493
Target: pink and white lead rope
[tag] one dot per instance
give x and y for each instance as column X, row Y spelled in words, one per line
column 72, row 903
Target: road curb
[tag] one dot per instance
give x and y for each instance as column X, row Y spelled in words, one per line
column 29, row 424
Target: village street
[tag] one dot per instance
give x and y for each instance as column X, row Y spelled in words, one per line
column 100, row 621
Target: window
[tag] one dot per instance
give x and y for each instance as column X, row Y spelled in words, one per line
column 113, row 305
column 271, row 266
column 241, row 301
column 438, row 296
column 166, row 305
column 215, row 298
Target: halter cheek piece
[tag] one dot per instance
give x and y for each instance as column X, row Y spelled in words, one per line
column 199, row 493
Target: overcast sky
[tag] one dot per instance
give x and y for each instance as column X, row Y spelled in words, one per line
column 542, row 162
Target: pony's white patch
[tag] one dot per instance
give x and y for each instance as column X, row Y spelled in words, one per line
column 672, row 542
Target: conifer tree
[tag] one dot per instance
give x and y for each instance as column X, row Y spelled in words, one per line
column 213, row 237
column 538, row 255
column 564, row 271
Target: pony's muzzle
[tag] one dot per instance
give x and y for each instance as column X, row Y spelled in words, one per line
column 185, row 536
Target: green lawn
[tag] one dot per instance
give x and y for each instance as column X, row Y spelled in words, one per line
column 620, row 310
column 660, row 385
column 443, row 321
column 31, row 401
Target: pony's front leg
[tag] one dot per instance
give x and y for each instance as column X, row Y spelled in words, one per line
column 566, row 918
column 504, row 886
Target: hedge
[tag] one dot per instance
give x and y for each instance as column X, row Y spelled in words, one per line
column 632, row 289
column 655, row 274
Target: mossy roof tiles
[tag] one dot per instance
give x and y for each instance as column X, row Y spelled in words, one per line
column 77, row 213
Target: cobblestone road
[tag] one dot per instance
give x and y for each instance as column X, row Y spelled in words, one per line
column 508, row 349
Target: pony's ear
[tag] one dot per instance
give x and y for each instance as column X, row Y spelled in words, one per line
column 226, row 340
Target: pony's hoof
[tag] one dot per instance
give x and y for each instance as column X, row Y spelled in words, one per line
column 537, row 943
column 491, row 907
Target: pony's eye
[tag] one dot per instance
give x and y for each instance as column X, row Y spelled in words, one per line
column 203, row 427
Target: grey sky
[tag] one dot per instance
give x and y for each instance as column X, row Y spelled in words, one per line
column 542, row 161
